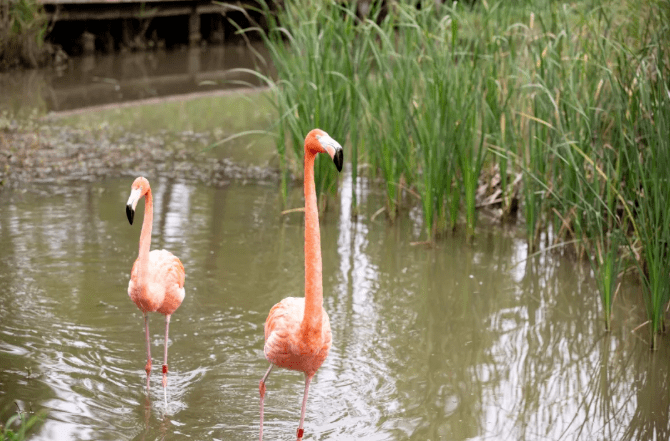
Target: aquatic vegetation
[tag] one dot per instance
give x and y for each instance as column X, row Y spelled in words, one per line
column 572, row 99
column 310, row 90
column 9, row 430
column 645, row 145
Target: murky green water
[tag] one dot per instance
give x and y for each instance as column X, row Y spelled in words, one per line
column 455, row 342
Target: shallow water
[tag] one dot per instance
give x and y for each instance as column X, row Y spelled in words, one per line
column 460, row 341
column 121, row 77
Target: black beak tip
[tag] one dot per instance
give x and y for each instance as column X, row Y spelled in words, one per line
column 130, row 213
column 338, row 159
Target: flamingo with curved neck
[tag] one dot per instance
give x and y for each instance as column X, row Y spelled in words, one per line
column 297, row 330
column 157, row 278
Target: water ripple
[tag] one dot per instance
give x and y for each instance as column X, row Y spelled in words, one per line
column 452, row 342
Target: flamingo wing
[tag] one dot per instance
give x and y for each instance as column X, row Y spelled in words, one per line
column 164, row 288
column 285, row 343
column 170, row 277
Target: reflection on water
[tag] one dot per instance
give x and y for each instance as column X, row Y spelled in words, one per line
column 453, row 342
column 114, row 78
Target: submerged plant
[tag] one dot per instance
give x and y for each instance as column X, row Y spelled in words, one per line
column 607, row 271
column 19, row 425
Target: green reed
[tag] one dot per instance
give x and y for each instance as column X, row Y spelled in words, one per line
column 572, row 99
column 310, row 89
column 645, row 118
column 568, row 97
column 434, row 130
column 357, row 69
column 20, row 425
column 607, row 264
column 437, row 184
column 389, row 92
column 608, row 146
column 594, row 219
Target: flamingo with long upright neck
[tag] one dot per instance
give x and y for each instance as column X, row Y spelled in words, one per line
column 157, row 278
column 297, row 330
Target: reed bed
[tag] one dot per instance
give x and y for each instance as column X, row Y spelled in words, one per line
column 565, row 106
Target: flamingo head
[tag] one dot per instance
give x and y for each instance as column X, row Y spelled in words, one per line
column 139, row 188
column 318, row 141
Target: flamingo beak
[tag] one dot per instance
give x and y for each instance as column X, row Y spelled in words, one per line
column 338, row 159
column 333, row 148
column 132, row 203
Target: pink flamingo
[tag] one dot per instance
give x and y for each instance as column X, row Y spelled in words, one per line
column 297, row 330
column 157, row 278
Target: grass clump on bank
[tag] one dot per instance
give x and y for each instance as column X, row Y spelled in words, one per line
column 568, row 104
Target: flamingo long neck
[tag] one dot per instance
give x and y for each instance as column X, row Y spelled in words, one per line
column 313, row 281
column 145, row 237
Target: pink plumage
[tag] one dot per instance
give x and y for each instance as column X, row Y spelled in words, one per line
column 164, row 284
column 297, row 330
column 157, row 278
column 287, row 346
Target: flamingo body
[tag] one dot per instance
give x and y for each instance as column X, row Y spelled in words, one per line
column 157, row 277
column 289, row 346
column 164, row 285
column 297, row 330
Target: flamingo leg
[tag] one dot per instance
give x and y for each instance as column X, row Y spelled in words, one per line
column 261, row 389
column 147, row 367
column 308, row 379
column 165, row 365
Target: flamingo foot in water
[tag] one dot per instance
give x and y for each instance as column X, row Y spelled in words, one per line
column 300, row 434
column 147, row 368
column 165, row 371
column 261, row 389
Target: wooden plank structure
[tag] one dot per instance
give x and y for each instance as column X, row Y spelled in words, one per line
column 124, row 10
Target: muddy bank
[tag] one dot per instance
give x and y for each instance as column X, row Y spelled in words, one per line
column 43, row 153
